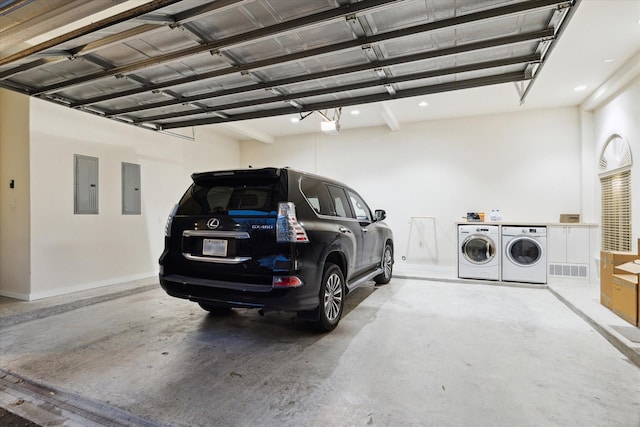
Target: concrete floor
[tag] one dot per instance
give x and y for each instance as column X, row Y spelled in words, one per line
column 411, row 353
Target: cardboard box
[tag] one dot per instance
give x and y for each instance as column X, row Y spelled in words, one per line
column 570, row 218
column 632, row 267
column 609, row 260
column 475, row 216
column 625, row 297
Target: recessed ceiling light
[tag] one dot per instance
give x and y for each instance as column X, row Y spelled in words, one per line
column 355, row 112
column 294, row 119
column 579, row 88
column 423, row 104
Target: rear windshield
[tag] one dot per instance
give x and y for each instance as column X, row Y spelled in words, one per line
column 229, row 198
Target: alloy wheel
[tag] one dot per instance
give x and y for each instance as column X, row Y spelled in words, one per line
column 387, row 262
column 333, row 297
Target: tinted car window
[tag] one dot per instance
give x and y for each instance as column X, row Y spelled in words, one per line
column 316, row 193
column 362, row 211
column 227, row 198
column 340, row 202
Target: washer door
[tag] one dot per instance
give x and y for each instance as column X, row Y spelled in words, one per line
column 478, row 249
column 524, row 251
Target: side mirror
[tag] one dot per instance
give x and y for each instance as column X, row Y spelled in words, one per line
column 380, row 215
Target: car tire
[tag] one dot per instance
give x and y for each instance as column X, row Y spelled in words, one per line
column 387, row 266
column 216, row 310
column 332, row 294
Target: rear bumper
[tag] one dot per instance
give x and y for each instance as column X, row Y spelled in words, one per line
column 246, row 295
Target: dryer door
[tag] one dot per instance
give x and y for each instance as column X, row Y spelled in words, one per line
column 478, row 249
column 524, row 251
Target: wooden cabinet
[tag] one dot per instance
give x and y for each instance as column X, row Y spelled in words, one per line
column 569, row 250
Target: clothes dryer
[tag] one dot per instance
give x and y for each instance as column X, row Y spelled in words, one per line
column 524, row 257
column 479, row 251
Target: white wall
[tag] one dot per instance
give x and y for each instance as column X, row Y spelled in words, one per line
column 14, row 202
column 75, row 252
column 526, row 164
column 621, row 115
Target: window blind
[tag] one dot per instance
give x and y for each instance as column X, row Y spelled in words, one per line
column 616, row 211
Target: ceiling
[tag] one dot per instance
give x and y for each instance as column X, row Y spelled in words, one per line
column 249, row 67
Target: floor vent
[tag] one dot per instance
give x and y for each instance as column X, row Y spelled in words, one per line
column 568, row 270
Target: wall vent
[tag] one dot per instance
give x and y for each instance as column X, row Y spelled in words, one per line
column 569, row 270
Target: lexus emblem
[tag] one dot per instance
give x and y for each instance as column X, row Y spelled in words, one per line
column 213, row 223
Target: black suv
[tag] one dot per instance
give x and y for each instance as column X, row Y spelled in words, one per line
column 276, row 239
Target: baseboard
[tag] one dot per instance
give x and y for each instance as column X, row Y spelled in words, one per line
column 87, row 286
column 14, row 295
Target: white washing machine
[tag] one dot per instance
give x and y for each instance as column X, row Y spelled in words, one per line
column 524, row 256
column 479, row 251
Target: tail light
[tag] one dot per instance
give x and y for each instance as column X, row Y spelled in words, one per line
column 287, row 227
column 167, row 227
column 286, row 282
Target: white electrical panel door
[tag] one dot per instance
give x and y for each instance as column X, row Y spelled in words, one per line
column 131, row 195
column 85, row 185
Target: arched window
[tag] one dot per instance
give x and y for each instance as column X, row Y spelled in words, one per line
column 615, row 182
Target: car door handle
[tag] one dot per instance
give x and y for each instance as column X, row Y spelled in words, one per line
column 344, row 230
